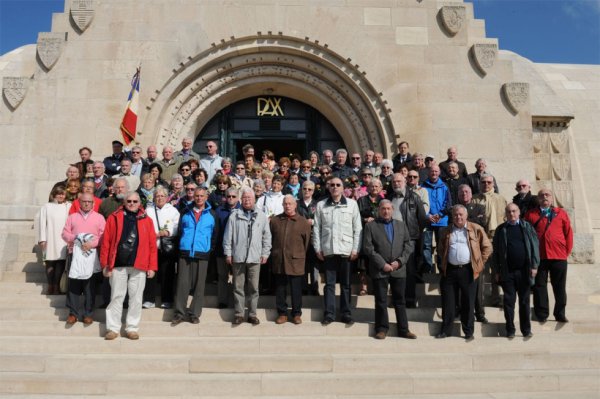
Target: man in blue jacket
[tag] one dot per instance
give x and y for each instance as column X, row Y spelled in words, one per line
column 198, row 229
column 440, row 203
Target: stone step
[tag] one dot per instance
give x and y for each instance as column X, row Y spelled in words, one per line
column 308, row 328
column 296, row 363
column 300, row 384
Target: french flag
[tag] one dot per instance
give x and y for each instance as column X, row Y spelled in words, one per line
column 129, row 123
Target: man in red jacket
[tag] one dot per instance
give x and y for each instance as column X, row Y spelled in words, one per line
column 128, row 255
column 555, row 235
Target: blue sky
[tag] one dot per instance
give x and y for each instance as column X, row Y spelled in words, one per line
column 556, row 31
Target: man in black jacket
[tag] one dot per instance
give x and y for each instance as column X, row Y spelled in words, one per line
column 408, row 207
column 524, row 199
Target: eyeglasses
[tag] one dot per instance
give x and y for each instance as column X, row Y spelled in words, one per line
column 185, row 169
column 232, row 196
column 136, row 152
column 190, row 189
column 86, row 202
column 240, row 168
column 306, row 167
column 367, row 174
column 385, row 167
column 325, row 173
column 487, row 182
column 307, row 189
column 132, row 201
column 335, row 185
column 355, row 157
column 522, row 185
column 412, row 177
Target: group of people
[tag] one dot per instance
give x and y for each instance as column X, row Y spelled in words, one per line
column 163, row 227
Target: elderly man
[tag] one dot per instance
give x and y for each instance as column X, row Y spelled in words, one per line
column 137, row 162
column 128, row 255
column 111, row 204
column 328, row 158
column 151, row 157
column 291, row 237
column 368, row 159
column 169, row 165
column 355, row 163
column 494, row 216
column 112, row 163
column 186, row 153
column 464, row 249
column 553, row 228
column 516, row 259
column 408, row 208
column 336, row 238
column 72, row 173
column 439, row 208
column 211, row 162
column 85, row 154
column 132, row 180
column 246, row 245
column 339, row 168
column 388, row 245
column 524, row 199
column 100, row 179
column 403, row 157
column 87, row 186
column 474, row 178
column 223, row 270
column 199, row 230
column 453, row 157
column 453, row 180
column 412, row 182
column 83, row 232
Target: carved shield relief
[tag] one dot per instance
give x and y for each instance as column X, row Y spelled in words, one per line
column 453, row 18
column 563, row 194
column 540, row 142
column 484, row 55
column 82, row 13
column 516, row 94
column 561, row 166
column 49, row 47
column 14, row 90
column 560, row 142
column 543, row 167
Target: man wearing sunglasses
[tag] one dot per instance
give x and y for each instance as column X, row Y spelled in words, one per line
column 128, row 255
column 336, row 238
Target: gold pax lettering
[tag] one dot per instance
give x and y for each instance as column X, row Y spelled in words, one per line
column 269, row 106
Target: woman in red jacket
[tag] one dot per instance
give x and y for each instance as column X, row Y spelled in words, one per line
column 555, row 235
column 128, row 255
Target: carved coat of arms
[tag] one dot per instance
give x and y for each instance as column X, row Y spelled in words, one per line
column 82, row 13
column 453, row 18
column 516, row 94
column 49, row 47
column 14, row 90
column 484, row 55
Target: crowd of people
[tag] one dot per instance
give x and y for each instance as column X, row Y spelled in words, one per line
column 147, row 228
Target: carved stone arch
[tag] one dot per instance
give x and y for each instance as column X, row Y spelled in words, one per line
column 274, row 65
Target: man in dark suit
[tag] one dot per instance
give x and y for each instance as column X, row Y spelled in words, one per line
column 387, row 244
column 403, row 157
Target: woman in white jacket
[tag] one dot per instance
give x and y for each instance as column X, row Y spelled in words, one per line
column 51, row 220
column 271, row 204
column 166, row 221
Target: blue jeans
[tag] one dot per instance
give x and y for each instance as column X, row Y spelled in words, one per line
column 337, row 267
column 428, row 248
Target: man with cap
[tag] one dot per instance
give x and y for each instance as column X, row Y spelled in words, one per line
column 112, row 164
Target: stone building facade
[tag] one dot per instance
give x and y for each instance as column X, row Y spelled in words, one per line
column 378, row 71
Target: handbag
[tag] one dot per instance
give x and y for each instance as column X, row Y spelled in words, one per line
column 63, row 284
column 168, row 245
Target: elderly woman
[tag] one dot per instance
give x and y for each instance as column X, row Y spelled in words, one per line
column 353, row 188
column 267, row 178
column 176, row 189
column 147, row 189
column 307, row 206
column 284, row 167
column 185, row 170
column 239, row 178
column 73, row 188
column 188, row 199
column 268, row 161
column 200, row 177
column 156, row 170
column 313, row 157
column 369, row 208
column 259, row 188
column 387, row 173
column 226, row 166
column 217, row 197
column 293, row 186
column 51, row 220
column 166, row 220
column 306, row 172
column 272, row 202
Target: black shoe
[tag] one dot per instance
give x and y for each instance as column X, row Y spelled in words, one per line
column 541, row 319
column 347, row 320
column 194, row 319
column 528, row 335
column 469, row 338
column 510, row 335
column 176, row 320
column 562, row 319
column 253, row 320
column 237, row 320
column 482, row 320
column 327, row 321
column 411, row 305
column 441, row 335
column 222, row 306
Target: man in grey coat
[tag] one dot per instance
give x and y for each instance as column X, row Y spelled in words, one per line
column 387, row 244
column 246, row 245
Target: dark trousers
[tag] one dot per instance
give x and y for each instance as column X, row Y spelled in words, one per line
column 458, row 279
column 479, row 298
column 76, row 289
column 281, row 282
column 54, row 271
column 380, row 289
column 336, row 267
column 517, row 282
column 191, row 276
column 558, row 278
column 412, row 275
column 163, row 281
column 428, row 237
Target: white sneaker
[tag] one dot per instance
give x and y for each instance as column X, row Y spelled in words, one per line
column 166, row 305
column 148, row 305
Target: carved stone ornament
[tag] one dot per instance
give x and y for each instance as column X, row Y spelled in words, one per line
column 543, row 167
column 485, row 55
column 82, row 13
column 559, row 142
column 561, row 166
column 14, row 90
column 49, row 47
column 563, row 194
column 540, row 142
column 516, row 94
column 453, row 18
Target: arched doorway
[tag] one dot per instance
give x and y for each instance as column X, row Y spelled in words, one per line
column 270, row 65
column 280, row 124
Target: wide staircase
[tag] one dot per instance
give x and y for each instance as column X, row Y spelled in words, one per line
column 40, row 357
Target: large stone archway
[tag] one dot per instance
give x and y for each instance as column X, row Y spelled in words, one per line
column 270, row 65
